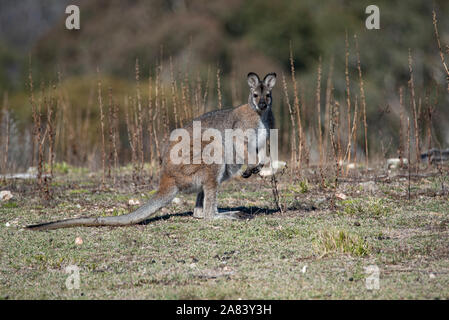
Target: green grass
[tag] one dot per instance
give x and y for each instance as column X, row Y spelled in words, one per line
column 311, row 251
column 340, row 241
column 371, row 206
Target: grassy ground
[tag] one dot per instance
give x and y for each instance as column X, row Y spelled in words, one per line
column 314, row 250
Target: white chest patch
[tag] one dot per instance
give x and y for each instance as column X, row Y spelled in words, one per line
column 263, row 133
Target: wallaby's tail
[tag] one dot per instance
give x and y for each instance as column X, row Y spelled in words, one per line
column 159, row 200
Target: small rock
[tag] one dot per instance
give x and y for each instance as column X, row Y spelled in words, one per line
column 357, row 224
column 369, row 186
column 432, row 276
column 79, row 241
column 32, row 170
column 5, row 195
column 133, row 202
column 395, row 163
column 165, row 210
column 340, row 196
column 7, row 224
column 176, row 200
column 304, row 269
column 351, row 166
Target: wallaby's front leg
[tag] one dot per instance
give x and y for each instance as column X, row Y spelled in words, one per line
column 255, row 169
column 198, row 211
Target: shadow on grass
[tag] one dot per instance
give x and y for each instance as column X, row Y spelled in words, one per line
column 244, row 213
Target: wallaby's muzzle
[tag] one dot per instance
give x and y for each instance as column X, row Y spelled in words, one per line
column 262, row 105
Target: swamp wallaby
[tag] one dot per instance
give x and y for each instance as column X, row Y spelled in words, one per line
column 201, row 178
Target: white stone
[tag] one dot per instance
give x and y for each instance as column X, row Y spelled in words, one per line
column 351, row 166
column 340, row 196
column 79, row 241
column 394, row 163
column 369, row 186
column 133, row 202
column 5, row 195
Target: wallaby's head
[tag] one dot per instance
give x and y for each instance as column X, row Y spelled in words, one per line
column 260, row 91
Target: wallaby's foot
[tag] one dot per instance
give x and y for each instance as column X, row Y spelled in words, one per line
column 198, row 213
column 231, row 215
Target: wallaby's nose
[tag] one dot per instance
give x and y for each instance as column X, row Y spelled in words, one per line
column 262, row 105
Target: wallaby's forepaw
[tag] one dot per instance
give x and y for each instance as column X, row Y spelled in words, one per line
column 250, row 171
column 256, row 170
column 246, row 174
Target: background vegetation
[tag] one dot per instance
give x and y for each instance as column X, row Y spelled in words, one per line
column 226, row 39
column 89, row 110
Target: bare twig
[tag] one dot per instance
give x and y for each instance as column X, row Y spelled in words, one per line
column 362, row 97
column 139, row 118
column 219, row 89
column 292, row 119
column 415, row 114
column 437, row 36
column 7, row 138
column 401, row 126
column 297, row 110
column 318, row 106
column 348, row 95
column 103, row 151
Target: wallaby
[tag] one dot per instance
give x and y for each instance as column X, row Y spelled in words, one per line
column 202, row 178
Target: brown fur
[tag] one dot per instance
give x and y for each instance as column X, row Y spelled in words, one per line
column 202, row 179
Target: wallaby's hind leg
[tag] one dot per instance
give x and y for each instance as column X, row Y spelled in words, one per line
column 210, row 210
column 210, row 202
column 198, row 211
column 206, row 207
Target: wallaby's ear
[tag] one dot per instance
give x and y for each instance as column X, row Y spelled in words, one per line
column 253, row 80
column 270, row 80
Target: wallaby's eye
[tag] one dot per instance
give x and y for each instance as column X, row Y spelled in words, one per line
column 255, row 95
column 268, row 95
